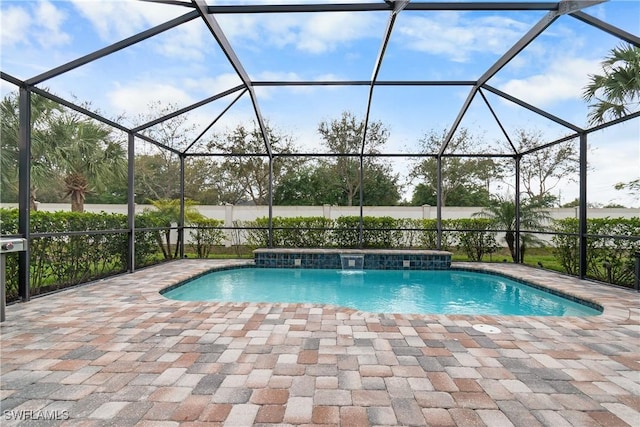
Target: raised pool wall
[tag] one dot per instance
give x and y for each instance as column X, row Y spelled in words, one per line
column 374, row 259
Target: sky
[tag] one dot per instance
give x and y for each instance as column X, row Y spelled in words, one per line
column 185, row 65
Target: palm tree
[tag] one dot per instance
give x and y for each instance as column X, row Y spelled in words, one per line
column 503, row 213
column 617, row 90
column 88, row 158
column 166, row 214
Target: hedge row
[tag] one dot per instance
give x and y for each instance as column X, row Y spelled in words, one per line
column 475, row 241
column 66, row 260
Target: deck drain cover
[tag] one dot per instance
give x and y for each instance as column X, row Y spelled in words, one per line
column 487, row 329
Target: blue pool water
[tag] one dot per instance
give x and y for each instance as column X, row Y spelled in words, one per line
column 381, row 291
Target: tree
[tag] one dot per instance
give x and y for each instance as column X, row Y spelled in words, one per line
column 424, row 194
column 157, row 171
column 318, row 184
column 543, row 170
column 502, row 212
column 344, row 136
column 201, row 180
column 166, row 214
column 616, row 91
column 245, row 178
column 465, row 181
column 89, row 159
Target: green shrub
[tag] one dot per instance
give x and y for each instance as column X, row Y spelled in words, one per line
column 608, row 259
column 257, row 232
column 474, row 239
column 566, row 248
column 410, row 231
column 68, row 259
column 205, row 236
column 429, row 236
column 293, row 232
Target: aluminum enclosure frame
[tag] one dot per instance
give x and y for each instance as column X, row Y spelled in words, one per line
column 199, row 9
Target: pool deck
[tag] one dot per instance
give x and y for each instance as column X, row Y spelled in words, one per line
column 115, row 352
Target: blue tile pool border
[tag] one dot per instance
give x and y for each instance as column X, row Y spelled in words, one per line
column 374, row 259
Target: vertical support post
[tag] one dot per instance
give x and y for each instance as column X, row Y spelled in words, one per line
column 636, row 283
column 582, row 216
column 517, row 211
column 3, row 285
column 361, row 224
column 182, row 210
column 439, row 204
column 131, row 205
column 270, row 237
column 24, row 191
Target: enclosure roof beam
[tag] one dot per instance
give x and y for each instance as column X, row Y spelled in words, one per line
column 78, row 109
column 220, row 37
column 524, row 41
column 608, row 28
column 533, row 32
column 156, row 143
column 363, row 83
column 171, row 2
column 382, row 7
column 214, row 121
column 497, row 119
column 98, row 117
column 456, row 122
column 614, row 122
column 551, row 144
column 398, row 5
column 113, row 48
column 12, row 79
column 188, row 108
column 563, row 7
column 372, row 155
column 534, row 109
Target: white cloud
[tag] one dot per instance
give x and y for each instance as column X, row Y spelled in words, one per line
column 214, row 85
column 185, row 42
column 562, row 80
column 116, row 20
column 457, row 37
column 16, row 23
column 50, row 20
column 324, row 32
column 40, row 24
column 313, row 33
column 136, row 97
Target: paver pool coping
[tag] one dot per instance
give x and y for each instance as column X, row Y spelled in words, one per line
column 116, row 352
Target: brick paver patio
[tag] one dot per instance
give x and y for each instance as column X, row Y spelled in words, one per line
column 115, row 352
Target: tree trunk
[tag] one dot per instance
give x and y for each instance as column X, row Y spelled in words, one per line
column 77, row 202
column 32, row 200
column 77, row 186
column 511, row 238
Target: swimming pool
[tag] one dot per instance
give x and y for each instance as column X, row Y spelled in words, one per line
column 380, row 291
